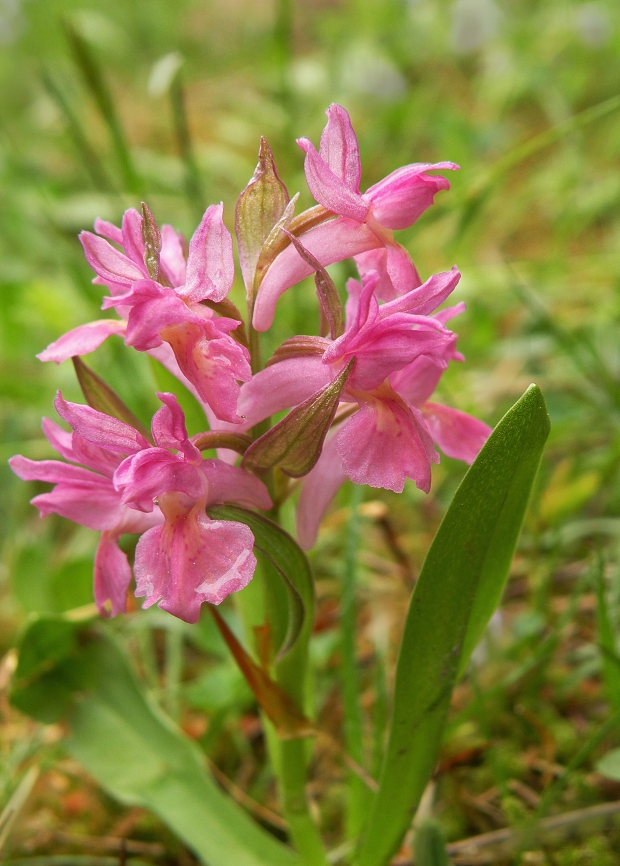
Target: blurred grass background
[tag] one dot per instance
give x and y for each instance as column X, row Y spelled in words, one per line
column 102, row 104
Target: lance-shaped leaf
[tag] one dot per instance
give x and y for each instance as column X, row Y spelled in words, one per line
column 101, row 397
column 79, row 675
column 260, row 206
column 329, row 299
column 294, row 445
column 152, row 242
column 467, row 564
column 281, row 710
column 292, row 565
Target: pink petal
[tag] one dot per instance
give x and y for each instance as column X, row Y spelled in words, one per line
column 385, row 443
column 96, row 507
column 191, row 560
column 82, row 340
column 281, row 386
column 133, row 243
column 213, row 366
column 400, row 198
column 417, row 381
column 172, row 259
column 108, row 262
column 328, row 189
column 153, row 308
column 395, row 268
column 426, row 298
column 112, row 576
column 210, row 264
column 233, row 484
column 339, row 148
column 100, row 429
column 354, row 292
column 382, row 346
column 59, row 439
column 102, row 461
column 55, row 472
column 109, row 231
column 400, row 269
column 331, row 242
column 457, row 433
column 143, row 477
column 78, row 450
column 450, row 312
column 318, row 489
column 168, row 425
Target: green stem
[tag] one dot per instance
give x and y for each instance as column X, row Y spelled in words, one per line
column 288, row 757
column 173, row 670
column 353, row 724
column 292, row 784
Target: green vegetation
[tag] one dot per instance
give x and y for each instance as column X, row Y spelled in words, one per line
column 103, row 104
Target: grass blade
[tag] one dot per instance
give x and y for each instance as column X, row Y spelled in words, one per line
column 95, row 81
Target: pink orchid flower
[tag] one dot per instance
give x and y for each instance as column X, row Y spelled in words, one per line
column 368, row 448
column 168, row 310
column 364, row 223
column 190, row 559
column 88, row 497
column 400, row 351
column 183, row 558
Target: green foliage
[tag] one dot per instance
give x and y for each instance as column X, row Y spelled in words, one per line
column 455, row 595
column 291, row 565
column 79, row 674
column 429, row 845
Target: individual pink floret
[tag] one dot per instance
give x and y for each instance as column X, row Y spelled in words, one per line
column 365, row 221
column 168, row 310
column 161, row 491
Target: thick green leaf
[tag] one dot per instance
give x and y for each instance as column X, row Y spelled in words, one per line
column 290, row 562
column 132, row 750
column 458, row 588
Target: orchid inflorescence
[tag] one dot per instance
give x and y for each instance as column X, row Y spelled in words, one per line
column 358, row 393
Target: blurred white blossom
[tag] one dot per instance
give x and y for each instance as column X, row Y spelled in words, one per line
column 369, row 72
column 11, row 21
column 593, row 25
column 474, row 22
